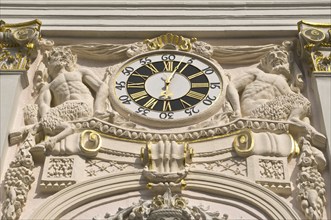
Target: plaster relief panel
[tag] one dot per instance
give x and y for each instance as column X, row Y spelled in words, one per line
column 160, row 116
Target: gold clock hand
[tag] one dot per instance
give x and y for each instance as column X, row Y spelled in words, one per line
column 166, row 94
column 173, row 72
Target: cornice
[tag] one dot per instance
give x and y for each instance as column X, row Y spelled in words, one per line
column 137, row 18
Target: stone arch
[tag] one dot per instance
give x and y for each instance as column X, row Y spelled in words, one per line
column 219, row 185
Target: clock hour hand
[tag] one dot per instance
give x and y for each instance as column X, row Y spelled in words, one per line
column 166, row 94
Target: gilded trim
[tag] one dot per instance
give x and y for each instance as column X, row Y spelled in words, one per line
column 92, row 136
column 295, row 149
column 243, row 143
column 323, row 25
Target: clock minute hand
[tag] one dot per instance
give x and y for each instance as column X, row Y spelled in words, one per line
column 166, row 94
column 173, row 72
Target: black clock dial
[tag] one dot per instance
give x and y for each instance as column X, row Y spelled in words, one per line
column 167, row 86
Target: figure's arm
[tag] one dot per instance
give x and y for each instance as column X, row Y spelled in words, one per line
column 99, row 87
column 233, row 97
column 44, row 101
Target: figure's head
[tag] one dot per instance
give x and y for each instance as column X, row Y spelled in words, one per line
column 59, row 59
column 277, row 61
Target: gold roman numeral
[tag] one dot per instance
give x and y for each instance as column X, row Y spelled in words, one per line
column 136, row 85
column 166, row 106
column 168, row 66
column 151, row 103
column 195, row 75
column 139, row 95
column 152, row 68
column 195, row 95
column 185, row 104
column 200, row 85
column 144, row 77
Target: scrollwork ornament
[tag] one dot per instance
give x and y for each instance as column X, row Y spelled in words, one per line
column 90, row 142
column 24, row 35
column 243, row 143
column 314, row 34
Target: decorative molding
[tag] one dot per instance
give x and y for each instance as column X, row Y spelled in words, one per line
column 230, row 166
column 118, row 153
column 203, row 134
column 96, row 167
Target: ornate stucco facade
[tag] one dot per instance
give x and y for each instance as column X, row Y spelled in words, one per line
column 154, row 110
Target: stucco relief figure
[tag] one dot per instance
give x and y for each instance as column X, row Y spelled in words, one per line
column 68, row 96
column 265, row 92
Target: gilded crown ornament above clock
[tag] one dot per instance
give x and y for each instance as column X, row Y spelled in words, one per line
column 167, row 88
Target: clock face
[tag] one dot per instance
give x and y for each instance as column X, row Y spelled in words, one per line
column 167, row 89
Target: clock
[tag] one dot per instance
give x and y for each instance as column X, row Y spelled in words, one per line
column 167, row 88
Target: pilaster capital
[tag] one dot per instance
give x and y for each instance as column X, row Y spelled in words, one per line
column 19, row 44
column 314, row 46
